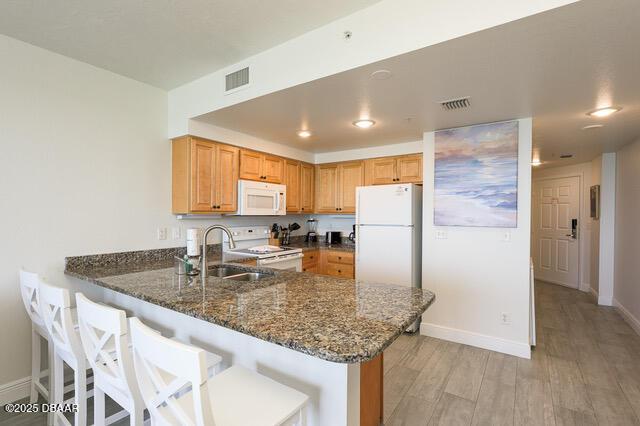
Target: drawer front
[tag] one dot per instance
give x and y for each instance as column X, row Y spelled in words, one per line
column 310, row 258
column 339, row 270
column 311, row 268
column 342, row 257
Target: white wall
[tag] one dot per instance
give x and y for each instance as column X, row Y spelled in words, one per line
column 596, row 179
column 627, row 244
column 583, row 171
column 205, row 130
column 383, row 30
column 372, row 152
column 86, row 168
column 475, row 275
column 606, row 265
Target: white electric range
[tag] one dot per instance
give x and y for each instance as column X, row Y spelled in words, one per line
column 253, row 241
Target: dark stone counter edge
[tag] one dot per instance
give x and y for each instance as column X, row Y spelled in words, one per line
column 318, row 353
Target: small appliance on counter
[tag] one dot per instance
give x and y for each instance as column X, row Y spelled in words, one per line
column 333, row 237
column 312, row 231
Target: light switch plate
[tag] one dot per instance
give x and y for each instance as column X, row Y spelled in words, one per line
column 175, row 233
column 506, row 237
column 162, row 233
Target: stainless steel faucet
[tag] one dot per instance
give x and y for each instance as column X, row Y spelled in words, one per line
column 203, row 263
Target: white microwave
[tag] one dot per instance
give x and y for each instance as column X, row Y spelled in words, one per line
column 261, row 199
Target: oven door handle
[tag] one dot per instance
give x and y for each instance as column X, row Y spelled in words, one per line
column 281, row 259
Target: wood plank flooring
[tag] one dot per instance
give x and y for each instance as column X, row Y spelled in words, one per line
column 584, row 371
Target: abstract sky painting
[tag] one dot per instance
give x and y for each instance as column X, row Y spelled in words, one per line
column 476, row 176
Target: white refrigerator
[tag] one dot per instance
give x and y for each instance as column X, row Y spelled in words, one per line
column 389, row 234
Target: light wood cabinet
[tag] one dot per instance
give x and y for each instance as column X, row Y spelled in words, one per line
column 409, row 168
column 310, row 261
column 299, row 178
column 337, row 264
column 336, row 187
column 307, row 187
column 399, row 169
column 205, row 176
column 327, row 188
column 202, row 176
column 226, row 178
column 261, row 167
column 351, row 176
column 292, row 181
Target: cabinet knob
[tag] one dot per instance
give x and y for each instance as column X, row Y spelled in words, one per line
column 339, row 271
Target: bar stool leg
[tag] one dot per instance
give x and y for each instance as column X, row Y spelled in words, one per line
column 80, row 382
column 35, row 365
column 98, row 406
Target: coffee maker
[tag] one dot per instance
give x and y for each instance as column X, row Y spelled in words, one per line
column 352, row 235
column 312, row 231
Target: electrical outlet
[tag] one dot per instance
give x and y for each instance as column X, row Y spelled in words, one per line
column 505, row 318
column 162, row 233
column 441, row 235
column 176, row 233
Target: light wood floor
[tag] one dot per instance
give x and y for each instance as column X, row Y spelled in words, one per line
column 585, row 370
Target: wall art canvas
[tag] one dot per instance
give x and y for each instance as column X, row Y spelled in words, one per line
column 476, row 176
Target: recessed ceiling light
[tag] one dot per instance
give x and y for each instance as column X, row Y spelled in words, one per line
column 381, row 75
column 593, row 126
column 364, row 124
column 603, row 112
column 536, row 162
column 304, row 133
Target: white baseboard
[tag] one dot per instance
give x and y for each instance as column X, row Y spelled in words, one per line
column 13, row 391
column 628, row 316
column 510, row 347
column 586, row 287
column 594, row 294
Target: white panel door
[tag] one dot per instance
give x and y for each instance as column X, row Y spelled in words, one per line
column 384, row 205
column 556, row 202
column 383, row 254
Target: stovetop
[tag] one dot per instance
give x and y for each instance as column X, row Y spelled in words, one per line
column 278, row 251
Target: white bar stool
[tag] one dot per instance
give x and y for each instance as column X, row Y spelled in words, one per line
column 104, row 336
column 55, row 307
column 173, row 382
column 31, row 300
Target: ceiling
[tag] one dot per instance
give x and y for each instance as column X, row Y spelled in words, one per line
column 554, row 66
column 165, row 43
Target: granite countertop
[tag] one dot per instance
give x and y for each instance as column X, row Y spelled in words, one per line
column 333, row 319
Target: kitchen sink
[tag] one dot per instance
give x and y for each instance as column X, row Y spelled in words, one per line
column 248, row 276
column 222, row 271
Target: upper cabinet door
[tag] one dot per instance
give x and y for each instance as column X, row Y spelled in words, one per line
column 306, row 187
column 227, row 158
column 327, row 189
column 383, row 171
column 292, row 180
column 250, row 165
column 272, row 168
column 351, row 176
column 409, row 168
column 202, row 175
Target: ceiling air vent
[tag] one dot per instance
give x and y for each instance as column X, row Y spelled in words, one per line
column 237, row 79
column 459, row 103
